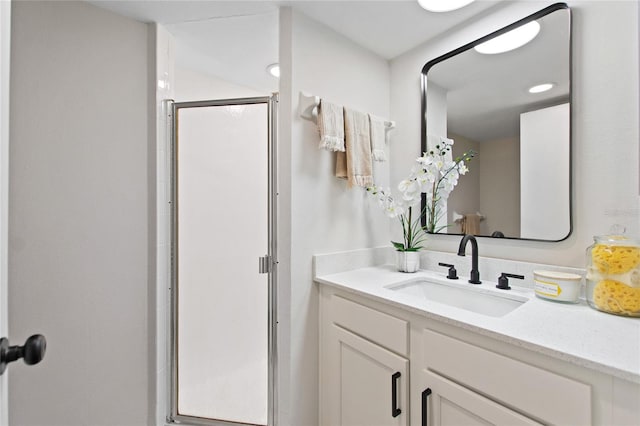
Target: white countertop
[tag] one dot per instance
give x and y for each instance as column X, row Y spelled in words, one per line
column 571, row 332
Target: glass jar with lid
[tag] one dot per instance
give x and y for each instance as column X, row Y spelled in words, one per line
column 613, row 275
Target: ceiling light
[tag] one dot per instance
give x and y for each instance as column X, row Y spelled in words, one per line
column 443, row 5
column 541, row 88
column 512, row 40
column 274, row 70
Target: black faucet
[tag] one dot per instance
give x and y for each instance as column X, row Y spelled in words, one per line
column 474, row 275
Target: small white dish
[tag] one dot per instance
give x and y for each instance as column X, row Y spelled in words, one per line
column 558, row 286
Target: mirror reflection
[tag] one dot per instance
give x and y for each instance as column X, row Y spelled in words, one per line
column 513, row 109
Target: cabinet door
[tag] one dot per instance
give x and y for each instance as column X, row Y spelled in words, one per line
column 445, row 403
column 363, row 384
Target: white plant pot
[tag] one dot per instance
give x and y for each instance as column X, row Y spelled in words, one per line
column 408, row 261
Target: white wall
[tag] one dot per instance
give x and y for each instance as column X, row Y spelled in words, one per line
column 325, row 215
column 79, row 214
column 191, row 85
column 605, row 122
column 436, row 112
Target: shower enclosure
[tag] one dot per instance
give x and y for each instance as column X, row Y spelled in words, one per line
column 223, row 258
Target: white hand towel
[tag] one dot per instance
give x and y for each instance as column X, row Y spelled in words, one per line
column 378, row 138
column 355, row 163
column 331, row 126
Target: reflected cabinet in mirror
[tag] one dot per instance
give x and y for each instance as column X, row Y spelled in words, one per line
column 513, row 108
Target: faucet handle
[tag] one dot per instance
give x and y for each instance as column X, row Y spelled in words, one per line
column 453, row 274
column 503, row 280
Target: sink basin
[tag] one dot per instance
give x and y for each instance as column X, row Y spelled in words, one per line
column 468, row 298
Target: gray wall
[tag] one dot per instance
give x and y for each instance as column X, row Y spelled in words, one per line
column 500, row 186
column 491, row 187
column 78, row 215
column 465, row 198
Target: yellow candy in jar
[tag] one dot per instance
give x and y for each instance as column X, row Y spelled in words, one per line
column 614, row 259
column 616, row 297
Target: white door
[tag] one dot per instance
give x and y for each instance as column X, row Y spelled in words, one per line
column 5, row 33
column 222, row 225
column 368, row 384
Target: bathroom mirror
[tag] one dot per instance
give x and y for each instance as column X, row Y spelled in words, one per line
column 519, row 182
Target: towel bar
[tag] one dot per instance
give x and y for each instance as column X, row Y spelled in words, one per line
column 457, row 217
column 308, row 106
column 308, row 109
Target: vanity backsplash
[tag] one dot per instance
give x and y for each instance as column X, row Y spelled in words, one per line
column 490, row 268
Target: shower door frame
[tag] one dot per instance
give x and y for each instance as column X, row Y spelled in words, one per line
column 271, row 258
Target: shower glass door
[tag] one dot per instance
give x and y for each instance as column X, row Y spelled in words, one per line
column 223, row 223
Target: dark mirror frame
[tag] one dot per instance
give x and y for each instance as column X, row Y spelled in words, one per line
column 423, row 82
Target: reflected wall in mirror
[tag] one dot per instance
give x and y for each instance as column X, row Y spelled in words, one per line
column 519, row 183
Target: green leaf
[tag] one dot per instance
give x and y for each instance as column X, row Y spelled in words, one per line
column 398, row 246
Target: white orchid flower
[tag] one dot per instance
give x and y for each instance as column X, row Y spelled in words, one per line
column 425, row 160
column 394, row 211
column 407, row 185
column 434, row 175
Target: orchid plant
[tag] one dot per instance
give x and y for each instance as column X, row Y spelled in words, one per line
column 403, row 210
column 434, row 175
column 437, row 177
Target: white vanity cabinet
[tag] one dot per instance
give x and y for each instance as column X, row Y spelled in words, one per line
column 472, row 383
column 364, row 370
column 450, row 375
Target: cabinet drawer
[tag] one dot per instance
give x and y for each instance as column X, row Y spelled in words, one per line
column 383, row 329
column 544, row 395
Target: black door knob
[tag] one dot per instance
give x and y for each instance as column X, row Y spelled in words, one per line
column 32, row 351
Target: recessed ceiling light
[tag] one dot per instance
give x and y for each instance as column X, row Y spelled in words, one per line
column 541, row 88
column 443, row 5
column 274, row 70
column 512, row 40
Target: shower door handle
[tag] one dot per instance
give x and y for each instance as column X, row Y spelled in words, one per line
column 265, row 264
